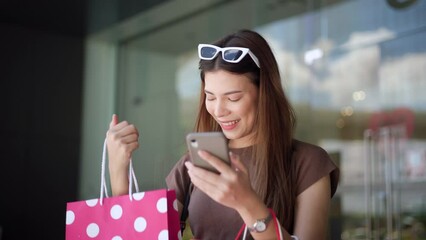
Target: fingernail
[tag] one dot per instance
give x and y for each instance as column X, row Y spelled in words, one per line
column 187, row 165
column 201, row 152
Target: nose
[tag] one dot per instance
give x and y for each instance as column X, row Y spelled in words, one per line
column 220, row 109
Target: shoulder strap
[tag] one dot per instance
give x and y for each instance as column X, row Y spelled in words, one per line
column 184, row 215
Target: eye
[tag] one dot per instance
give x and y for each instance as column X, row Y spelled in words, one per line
column 234, row 97
column 210, row 98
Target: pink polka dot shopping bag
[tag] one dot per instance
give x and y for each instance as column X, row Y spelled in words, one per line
column 147, row 215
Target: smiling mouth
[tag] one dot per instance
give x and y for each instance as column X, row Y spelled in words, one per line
column 230, row 123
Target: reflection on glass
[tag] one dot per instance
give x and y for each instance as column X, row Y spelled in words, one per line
column 339, row 80
column 351, row 68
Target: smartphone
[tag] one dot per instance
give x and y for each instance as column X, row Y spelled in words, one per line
column 213, row 142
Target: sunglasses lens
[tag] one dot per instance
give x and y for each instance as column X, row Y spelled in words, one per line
column 208, row 52
column 232, row 55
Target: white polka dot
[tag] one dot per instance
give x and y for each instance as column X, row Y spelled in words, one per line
column 162, row 205
column 140, row 224
column 175, row 205
column 92, row 202
column 92, row 230
column 164, row 235
column 70, row 217
column 116, row 238
column 138, row 196
column 116, row 212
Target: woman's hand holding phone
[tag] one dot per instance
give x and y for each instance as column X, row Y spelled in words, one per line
column 228, row 185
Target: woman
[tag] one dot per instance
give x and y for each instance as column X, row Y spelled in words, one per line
column 270, row 174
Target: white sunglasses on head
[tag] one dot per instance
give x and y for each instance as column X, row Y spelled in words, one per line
column 229, row 54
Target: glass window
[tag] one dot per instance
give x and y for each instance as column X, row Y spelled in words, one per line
column 355, row 72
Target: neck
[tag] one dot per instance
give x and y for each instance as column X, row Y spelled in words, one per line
column 241, row 143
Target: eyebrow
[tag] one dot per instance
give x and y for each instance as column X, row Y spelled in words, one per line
column 227, row 93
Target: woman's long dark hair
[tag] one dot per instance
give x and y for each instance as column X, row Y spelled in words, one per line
column 274, row 123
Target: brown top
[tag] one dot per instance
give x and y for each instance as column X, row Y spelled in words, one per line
column 211, row 220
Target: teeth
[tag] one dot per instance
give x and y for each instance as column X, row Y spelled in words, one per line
column 230, row 123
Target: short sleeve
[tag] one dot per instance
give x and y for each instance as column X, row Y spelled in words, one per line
column 312, row 164
column 178, row 179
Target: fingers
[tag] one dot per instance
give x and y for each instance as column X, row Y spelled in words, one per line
column 197, row 172
column 217, row 163
column 227, row 173
column 114, row 121
column 228, row 187
column 221, row 166
column 127, row 141
column 122, row 138
column 203, row 179
column 124, row 129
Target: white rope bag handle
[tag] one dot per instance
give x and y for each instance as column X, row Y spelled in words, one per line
column 132, row 178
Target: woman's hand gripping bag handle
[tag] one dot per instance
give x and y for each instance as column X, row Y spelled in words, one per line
column 140, row 215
